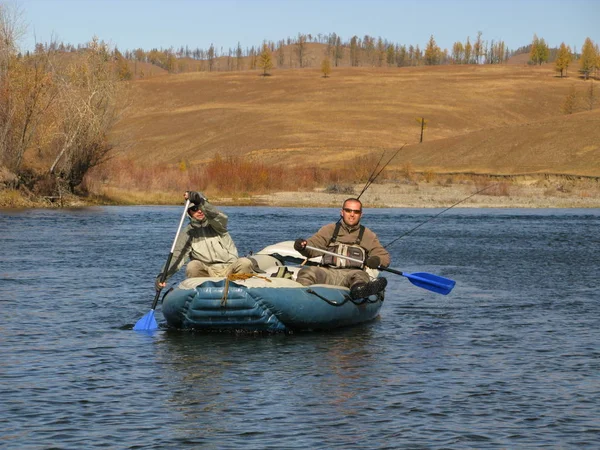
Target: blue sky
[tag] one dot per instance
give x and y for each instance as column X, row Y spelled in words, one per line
column 147, row 24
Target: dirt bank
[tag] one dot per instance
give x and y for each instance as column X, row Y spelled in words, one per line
column 391, row 195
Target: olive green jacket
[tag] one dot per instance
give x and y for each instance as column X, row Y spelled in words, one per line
column 347, row 235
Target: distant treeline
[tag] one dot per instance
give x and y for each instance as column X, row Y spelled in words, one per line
column 293, row 53
column 306, row 50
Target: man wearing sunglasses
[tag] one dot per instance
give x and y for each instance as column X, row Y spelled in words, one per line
column 206, row 244
column 348, row 237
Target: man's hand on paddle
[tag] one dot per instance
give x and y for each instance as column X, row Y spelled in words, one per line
column 157, row 284
column 197, row 198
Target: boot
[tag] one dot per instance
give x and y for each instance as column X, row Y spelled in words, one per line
column 363, row 290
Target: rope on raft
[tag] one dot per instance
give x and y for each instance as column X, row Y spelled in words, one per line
column 237, row 277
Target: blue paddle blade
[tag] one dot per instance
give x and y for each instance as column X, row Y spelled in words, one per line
column 146, row 323
column 431, row 282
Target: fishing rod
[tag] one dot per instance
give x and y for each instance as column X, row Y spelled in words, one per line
column 439, row 214
column 372, row 173
column 374, row 176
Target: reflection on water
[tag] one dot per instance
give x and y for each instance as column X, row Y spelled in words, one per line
column 509, row 360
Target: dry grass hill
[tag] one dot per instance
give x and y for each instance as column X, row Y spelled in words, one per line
column 494, row 119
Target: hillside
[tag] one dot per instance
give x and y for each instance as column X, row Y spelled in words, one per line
column 503, row 119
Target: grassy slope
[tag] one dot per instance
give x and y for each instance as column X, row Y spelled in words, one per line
column 488, row 119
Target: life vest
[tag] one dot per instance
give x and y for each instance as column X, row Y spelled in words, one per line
column 354, row 251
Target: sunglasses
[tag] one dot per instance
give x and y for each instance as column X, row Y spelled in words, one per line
column 193, row 208
column 355, row 211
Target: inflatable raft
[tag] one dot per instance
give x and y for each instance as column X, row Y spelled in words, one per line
column 268, row 301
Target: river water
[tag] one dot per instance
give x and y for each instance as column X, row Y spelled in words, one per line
column 510, row 359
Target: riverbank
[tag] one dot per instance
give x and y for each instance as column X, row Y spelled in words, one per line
column 524, row 194
column 393, row 195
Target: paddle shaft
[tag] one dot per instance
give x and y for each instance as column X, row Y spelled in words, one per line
column 163, row 276
column 349, row 258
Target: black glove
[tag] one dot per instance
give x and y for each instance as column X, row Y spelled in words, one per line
column 299, row 244
column 197, row 198
column 373, row 262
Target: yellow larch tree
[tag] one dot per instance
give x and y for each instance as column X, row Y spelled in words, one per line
column 563, row 59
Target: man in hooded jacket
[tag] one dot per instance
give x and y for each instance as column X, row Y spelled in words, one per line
column 206, row 244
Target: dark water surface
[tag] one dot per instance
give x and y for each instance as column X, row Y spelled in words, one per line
column 510, row 359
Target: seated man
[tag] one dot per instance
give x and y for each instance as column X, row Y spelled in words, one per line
column 347, row 231
column 206, row 243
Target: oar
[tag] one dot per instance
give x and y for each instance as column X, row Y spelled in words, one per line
column 434, row 283
column 148, row 322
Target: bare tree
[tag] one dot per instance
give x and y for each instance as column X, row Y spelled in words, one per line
column 280, row 54
column 211, row 57
column 89, row 94
column 338, row 52
column 26, row 89
column 238, row 57
column 301, row 49
column 478, row 48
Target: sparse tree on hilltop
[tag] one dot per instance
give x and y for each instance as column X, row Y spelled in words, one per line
column 122, row 66
column 210, row 56
column 458, row 52
column 338, row 51
column 539, row 51
column 468, row 51
column 432, row 52
column 368, row 45
column 380, row 52
column 589, row 58
column 239, row 61
column 417, row 55
column 301, row 49
column 401, row 56
column 171, row 62
column 496, row 53
column 265, row 60
column 563, row 59
column 478, row 48
column 280, row 54
column 326, row 67
column 354, row 51
column 390, row 55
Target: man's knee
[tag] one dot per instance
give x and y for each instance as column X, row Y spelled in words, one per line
column 311, row 275
column 305, row 277
column 242, row 265
column 196, row 269
column 357, row 276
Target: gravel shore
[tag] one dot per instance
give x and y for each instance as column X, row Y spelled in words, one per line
column 391, row 195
